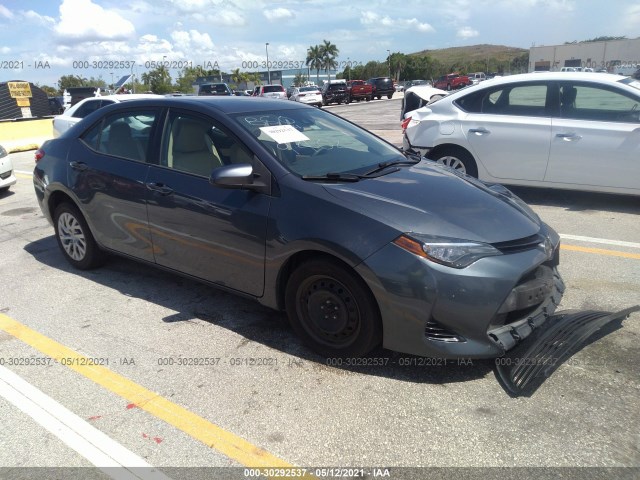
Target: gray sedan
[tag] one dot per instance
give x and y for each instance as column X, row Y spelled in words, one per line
column 360, row 243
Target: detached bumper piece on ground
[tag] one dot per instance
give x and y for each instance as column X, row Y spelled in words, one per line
column 524, row 368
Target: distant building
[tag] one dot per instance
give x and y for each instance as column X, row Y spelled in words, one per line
column 279, row 77
column 613, row 56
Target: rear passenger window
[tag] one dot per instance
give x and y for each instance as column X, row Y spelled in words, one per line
column 124, row 135
column 525, row 100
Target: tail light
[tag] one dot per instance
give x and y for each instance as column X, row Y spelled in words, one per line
column 39, row 155
column 405, row 123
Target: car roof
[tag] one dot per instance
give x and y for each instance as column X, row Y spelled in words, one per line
column 602, row 78
column 231, row 104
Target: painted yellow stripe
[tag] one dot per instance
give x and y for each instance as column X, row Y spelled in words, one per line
column 600, row 251
column 23, row 175
column 197, row 427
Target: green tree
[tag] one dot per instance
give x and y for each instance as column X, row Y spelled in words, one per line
column 397, row 61
column 158, row 80
column 188, row 76
column 299, row 79
column 328, row 52
column 50, row 91
column 314, row 60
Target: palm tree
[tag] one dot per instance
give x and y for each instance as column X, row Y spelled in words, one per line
column 314, row 60
column 397, row 61
column 329, row 52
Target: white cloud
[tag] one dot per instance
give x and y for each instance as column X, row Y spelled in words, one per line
column 192, row 40
column 276, row 14
column 37, row 18
column 5, row 12
column 467, row 32
column 82, row 20
column 372, row 18
column 631, row 20
column 5, row 50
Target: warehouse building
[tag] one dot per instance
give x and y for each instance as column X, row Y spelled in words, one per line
column 614, row 56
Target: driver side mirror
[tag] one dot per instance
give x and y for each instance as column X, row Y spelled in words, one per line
column 232, row 176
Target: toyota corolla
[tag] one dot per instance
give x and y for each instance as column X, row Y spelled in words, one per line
column 360, row 243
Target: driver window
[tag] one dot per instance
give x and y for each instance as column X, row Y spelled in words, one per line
column 198, row 146
column 583, row 102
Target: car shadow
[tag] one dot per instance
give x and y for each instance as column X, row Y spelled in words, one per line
column 194, row 301
column 575, row 201
column 6, row 194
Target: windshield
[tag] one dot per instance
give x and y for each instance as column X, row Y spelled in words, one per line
column 309, row 89
column 309, row 141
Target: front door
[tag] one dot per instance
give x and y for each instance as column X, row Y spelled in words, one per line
column 212, row 233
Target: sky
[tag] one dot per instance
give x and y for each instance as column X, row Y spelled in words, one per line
column 40, row 40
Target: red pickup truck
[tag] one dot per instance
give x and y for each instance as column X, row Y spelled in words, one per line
column 359, row 89
column 453, row 81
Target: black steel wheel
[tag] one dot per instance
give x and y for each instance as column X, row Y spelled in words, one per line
column 75, row 239
column 332, row 309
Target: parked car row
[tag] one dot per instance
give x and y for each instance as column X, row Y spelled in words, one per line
column 570, row 130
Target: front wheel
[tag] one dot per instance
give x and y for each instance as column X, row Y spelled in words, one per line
column 332, row 309
column 389, row 96
column 458, row 159
column 75, row 239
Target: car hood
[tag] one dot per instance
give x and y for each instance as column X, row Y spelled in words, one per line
column 432, row 199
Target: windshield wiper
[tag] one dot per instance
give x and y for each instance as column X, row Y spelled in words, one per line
column 334, row 177
column 382, row 165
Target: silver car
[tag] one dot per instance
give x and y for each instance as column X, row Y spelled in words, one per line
column 77, row 112
column 571, row 130
column 7, row 176
column 307, row 95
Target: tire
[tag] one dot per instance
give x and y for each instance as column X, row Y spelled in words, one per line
column 75, row 239
column 369, row 98
column 389, row 96
column 355, row 327
column 379, row 97
column 458, row 159
column 347, row 101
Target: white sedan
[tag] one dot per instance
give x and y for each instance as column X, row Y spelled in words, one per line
column 7, row 177
column 578, row 131
column 307, row 95
column 77, row 112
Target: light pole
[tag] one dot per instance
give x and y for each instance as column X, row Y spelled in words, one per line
column 349, row 67
column 389, row 61
column 112, row 81
column 266, row 48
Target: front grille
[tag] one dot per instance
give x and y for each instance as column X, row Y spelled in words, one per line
column 5, row 175
column 437, row 332
column 520, row 245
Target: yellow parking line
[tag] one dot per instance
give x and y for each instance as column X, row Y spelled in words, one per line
column 197, row 427
column 600, row 251
column 23, row 175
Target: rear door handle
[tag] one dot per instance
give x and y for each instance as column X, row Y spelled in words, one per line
column 479, row 131
column 160, row 188
column 569, row 137
column 79, row 166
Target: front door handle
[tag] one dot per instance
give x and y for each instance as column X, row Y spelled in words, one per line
column 568, row 137
column 160, row 188
column 79, row 166
column 479, row 131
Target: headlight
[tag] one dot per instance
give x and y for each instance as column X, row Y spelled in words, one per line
column 445, row 251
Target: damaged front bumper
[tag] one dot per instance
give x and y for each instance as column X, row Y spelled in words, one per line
column 525, row 367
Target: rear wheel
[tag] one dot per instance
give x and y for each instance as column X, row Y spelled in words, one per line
column 332, row 309
column 75, row 239
column 379, row 97
column 458, row 159
column 389, row 96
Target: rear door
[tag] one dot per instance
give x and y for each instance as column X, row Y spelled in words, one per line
column 205, row 231
column 107, row 172
column 509, row 130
